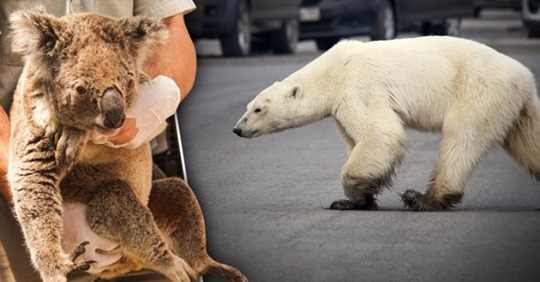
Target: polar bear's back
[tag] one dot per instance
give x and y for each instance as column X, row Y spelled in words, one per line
column 428, row 75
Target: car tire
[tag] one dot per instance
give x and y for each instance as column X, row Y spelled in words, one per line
column 238, row 41
column 385, row 25
column 260, row 45
column 326, row 43
column 532, row 32
column 449, row 27
column 285, row 39
column 533, row 28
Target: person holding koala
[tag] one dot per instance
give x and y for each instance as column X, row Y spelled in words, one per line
column 174, row 78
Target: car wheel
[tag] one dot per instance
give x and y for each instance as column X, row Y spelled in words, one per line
column 533, row 31
column 260, row 45
column 385, row 26
column 534, row 6
column 326, row 43
column 285, row 39
column 238, row 41
column 450, row 27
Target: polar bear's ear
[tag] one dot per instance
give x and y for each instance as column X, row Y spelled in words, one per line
column 296, row 92
column 35, row 31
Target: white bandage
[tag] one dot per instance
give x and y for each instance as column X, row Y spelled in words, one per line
column 157, row 100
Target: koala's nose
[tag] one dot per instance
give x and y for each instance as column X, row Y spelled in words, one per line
column 237, row 131
column 113, row 106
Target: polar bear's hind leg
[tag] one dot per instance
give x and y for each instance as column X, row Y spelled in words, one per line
column 467, row 134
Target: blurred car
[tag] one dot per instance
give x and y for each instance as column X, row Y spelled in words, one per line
column 239, row 23
column 327, row 21
column 530, row 11
column 504, row 4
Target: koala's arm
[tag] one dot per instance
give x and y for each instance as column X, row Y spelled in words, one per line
column 38, row 161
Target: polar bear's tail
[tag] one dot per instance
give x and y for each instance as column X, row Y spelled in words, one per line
column 523, row 141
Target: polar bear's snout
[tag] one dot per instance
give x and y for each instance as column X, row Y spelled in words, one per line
column 237, row 131
column 243, row 130
column 246, row 133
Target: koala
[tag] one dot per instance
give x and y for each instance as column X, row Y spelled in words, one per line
column 80, row 75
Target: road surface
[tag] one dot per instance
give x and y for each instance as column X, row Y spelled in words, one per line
column 265, row 200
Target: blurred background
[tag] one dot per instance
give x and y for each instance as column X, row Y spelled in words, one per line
column 244, row 27
column 265, row 200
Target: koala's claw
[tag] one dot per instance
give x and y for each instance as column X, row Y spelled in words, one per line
column 181, row 272
column 83, row 266
column 79, row 250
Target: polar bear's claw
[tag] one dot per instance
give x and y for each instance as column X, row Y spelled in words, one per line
column 417, row 201
column 348, row 205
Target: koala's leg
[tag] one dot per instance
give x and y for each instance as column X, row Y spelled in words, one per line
column 379, row 142
column 115, row 212
column 178, row 215
column 466, row 138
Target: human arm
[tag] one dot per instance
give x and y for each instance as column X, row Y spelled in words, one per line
column 4, row 154
column 175, row 59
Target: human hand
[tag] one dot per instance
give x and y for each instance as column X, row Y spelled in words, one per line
column 127, row 132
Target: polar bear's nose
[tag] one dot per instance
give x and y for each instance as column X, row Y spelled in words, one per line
column 237, row 131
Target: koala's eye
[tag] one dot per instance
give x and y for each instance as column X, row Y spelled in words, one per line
column 81, row 90
column 257, row 110
column 130, row 84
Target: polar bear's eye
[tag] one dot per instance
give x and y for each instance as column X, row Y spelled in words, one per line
column 257, row 110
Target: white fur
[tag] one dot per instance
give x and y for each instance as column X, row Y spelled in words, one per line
column 42, row 112
column 471, row 93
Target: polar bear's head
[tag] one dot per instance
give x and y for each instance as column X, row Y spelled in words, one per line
column 276, row 108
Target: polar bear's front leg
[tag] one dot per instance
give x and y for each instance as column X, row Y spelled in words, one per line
column 362, row 178
column 376, row 141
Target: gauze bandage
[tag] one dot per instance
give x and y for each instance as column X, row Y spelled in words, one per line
column 157, row 100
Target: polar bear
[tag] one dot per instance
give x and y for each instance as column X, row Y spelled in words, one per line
column 473, row 95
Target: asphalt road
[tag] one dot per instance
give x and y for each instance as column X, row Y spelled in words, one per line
column 265, row 200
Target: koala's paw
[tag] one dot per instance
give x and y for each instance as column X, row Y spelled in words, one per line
column 75, row 254
column 65, row 264
column 79, row 250
column 54, row 278
column 182, row 272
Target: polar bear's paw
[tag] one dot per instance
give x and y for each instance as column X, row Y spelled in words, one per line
column 417, row 201
column 349, row 205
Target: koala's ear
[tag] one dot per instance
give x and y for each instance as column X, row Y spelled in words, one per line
column 35, row 31
column 295, row 92
column 143, row 33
